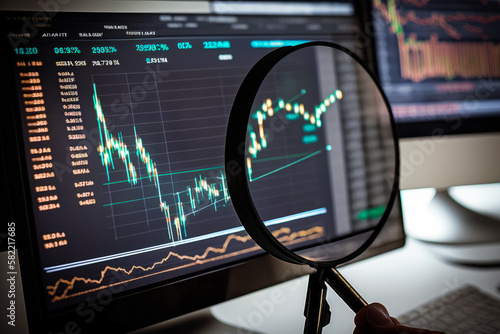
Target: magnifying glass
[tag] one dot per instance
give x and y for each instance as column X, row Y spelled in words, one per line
column 311, row 163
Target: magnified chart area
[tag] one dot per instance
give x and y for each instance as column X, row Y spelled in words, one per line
column 298, row 153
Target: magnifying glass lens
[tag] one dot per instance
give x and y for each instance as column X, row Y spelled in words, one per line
column 320, row 154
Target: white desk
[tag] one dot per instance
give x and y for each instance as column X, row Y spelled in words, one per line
column 400, row 279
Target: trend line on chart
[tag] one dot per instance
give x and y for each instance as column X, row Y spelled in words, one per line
column 249, row 165
column 258, row 140
column 284, row 235
column 201, row 188
column 432, row 58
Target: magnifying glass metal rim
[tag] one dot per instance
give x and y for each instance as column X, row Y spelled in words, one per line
column 235, row 160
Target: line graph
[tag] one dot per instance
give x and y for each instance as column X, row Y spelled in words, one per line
column 62, row 288
column 275, row 221
column 111, row 145
column 435, row 58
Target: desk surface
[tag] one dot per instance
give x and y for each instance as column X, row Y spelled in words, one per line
column 401, row 280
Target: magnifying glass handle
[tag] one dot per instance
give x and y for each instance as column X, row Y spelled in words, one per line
column 345, row 290
column 317, row 310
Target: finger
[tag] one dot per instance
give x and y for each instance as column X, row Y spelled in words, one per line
column 372, row 313
column 377, row 315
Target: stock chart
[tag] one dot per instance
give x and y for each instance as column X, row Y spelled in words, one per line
column 125, row 152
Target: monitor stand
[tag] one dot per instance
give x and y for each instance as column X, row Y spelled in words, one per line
column 460, row 234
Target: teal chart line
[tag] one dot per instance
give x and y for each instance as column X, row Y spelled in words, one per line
column 287, row 165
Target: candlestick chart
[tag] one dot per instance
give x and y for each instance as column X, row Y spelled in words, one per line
column 114, row 146
column 257, row 138
column 442, row 44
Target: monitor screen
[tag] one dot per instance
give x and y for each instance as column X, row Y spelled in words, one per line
column 116, row 133
column 438, row 62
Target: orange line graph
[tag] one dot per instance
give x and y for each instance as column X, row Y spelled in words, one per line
column 287, row 238
column 432, row 58
column 429, row 59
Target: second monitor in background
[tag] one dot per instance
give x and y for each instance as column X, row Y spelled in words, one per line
column 438, row 64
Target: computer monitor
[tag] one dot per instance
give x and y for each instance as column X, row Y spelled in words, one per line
column 112, row 143
column 438, row 62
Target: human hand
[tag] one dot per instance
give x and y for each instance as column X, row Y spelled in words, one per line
column 374, row 319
